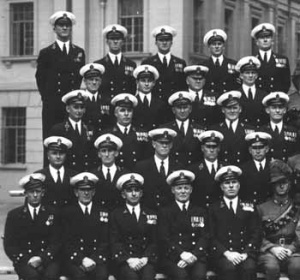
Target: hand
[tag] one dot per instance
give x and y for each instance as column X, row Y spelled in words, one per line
column 182, row 264
column 279, row 252
column 234, row 257
column 35, row 261
column 288, row 252
column 244, row 256
column 88, row 264
column 188, row 257
column 144, row 261
column 135, row 263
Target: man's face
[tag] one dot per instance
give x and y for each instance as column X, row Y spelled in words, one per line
column 282, row 187
column 210, row 151
column 195, row 82
column 182, row 112
column 84, row 194
column 63, row 31
column 182, row 193
column 276, row 112
column 216, row 48
column 75, row 111
column 164, row 45
column 162, row 148
column 92, row 84
column 107, row 156
column 145, row 85
column 258, row 151
column 115, row 45
column 249, row 77
column 232, row 113
column 34, row 196
column 56, row 158
column 264, row 43
column 124, row 115
column 230, row 188
column 132, row 195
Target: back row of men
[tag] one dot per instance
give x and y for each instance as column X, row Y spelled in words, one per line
column 84, row 241
column 60, row 69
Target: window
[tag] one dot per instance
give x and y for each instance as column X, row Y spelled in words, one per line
column 21, row 29
column 131, row 16
column 198, row 27
column 13, row 135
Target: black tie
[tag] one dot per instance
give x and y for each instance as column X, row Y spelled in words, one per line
column 146, row 102
column 197, row 97
column 276, row 130
column 76, row 129
column 231, row 126
column 231, row 208
column 217, row 63
column 94, row 98
column 108, row 176
column 116, row 63
column 184, row 208
column 34, row 214
column 213, row 171
column 182, row 129
column 162, row 170
column 260, row 168
column 64, row 49
column 134, row 214
column 58, row 181
column 165, row 64
column 265, row 58
column 250, row 94
column 125, row 130
column 86, row 212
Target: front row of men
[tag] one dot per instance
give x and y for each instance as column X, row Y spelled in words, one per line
column 233, row 238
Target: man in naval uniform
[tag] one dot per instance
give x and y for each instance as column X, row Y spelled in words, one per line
column 58, row 70
column 32, row 235
column 274, row 73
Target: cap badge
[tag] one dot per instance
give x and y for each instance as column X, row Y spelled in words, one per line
column 126, row 99
column 213, row 135
column 132, row 177
column 31, row 179
column 79, row 95
column 166, row 134
column 58, row 141
column 215, row 33
column 257, row 137
column 146, row 69
column 264, row 28
column 198, row 70
column 114, row 29
column 163, row 30
column 277, row 96
column 85, row 179
column 91, row 67
column 180, row 95
column 181, row 175
column 250, row 61
column 65, row 15
column 230, row 96
column 108, row 139
column 229, row 170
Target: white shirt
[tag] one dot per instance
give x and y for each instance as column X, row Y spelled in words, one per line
column 91, row 95
column 258, row 163
column 113, row 57
column 185, row 125
column 112, row 171
column 180, row 205
column 262, row 54
column 143, row 95
column 61, row 45
column 234, row 124
column 137, row 209
column 83, row 207
column 209, row 165
column 168, row 57
column 194, row 93
column 73, row 123
column 246, row 90
column 158, row 163
column 122, row 128
column 279, row 125
column 220, row 58
column 54, row 173
column 234, row 203
column 31, row 209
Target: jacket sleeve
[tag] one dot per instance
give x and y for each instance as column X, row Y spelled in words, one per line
column 41, row 72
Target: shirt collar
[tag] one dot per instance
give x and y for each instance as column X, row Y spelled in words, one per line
column 209, row 164
column 113, row 57
column 168, row 57
column 122, row 127
column 221, row 58
column 234, row 123
column 31, row 209
column 112, row 169
column 91, row 95
column 257, row 163
column 137, row 208
column 279, row 125
column 262, row 54
column 246, row 89
column 194, row 93
column 234, row 202
column 143, row 95
column 73, row 123
column 180, row 204
column 83, row 206
column 61, row 45
column 53, row 171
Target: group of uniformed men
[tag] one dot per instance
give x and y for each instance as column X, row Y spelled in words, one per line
column 160, row 167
